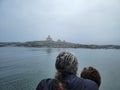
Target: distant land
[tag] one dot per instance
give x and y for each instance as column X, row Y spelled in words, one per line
column 56, row 44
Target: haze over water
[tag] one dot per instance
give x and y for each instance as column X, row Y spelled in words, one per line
column 78, row 21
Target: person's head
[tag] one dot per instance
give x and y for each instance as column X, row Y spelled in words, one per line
column 66, row 62
column 92, row 74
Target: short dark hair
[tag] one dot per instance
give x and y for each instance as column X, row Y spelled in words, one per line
column 92, row 74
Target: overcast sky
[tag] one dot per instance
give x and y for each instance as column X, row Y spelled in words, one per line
column 79, row 21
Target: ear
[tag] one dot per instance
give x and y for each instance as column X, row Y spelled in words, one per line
column 76, row 69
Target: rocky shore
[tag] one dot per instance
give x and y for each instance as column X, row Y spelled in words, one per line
column 56, row 44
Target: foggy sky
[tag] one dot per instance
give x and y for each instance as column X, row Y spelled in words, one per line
column 79, row 21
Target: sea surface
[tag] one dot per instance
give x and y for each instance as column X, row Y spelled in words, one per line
column 22, row 68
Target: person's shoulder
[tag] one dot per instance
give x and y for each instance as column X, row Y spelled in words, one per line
column 84, row 84
column 45, row 81
column 91, row 85
column 44, row 84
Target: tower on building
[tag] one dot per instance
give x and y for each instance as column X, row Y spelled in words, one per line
column 49, row 38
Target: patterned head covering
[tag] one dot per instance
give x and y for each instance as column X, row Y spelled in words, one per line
column 66, row 62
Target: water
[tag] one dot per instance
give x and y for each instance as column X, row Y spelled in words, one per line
column 22, row 68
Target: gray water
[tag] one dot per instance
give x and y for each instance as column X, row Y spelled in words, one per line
column 23, row 68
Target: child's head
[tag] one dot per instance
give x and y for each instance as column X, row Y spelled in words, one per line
column 92, row 74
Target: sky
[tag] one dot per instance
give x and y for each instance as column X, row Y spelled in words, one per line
column 78, row 21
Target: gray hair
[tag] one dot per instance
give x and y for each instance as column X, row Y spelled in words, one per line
column 66, row 62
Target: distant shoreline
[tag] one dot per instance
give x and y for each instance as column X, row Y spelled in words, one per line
column 57, row 44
